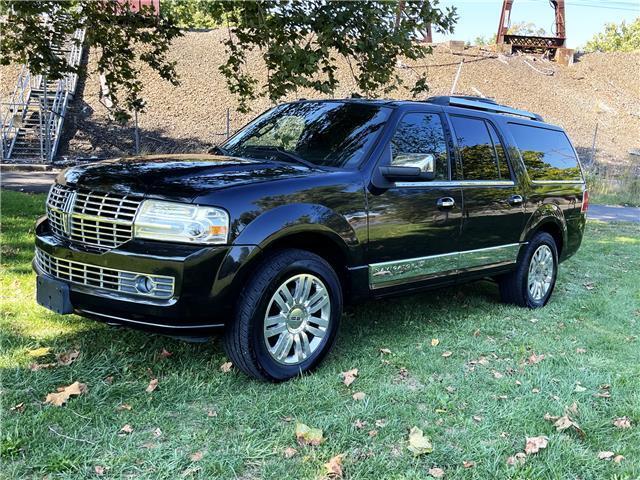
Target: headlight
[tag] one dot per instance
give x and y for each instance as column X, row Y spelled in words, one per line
column 181, row 222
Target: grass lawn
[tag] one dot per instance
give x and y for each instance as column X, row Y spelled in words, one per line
column 476, row 405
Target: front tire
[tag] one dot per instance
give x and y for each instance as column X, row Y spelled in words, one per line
column 531, row 283
column 287, row 317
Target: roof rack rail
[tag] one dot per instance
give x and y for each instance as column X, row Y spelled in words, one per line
column 479, row 103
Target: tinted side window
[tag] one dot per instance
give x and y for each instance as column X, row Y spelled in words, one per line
column 503, row 165
column 479, row 160
column 420, row 134
column 547, row 154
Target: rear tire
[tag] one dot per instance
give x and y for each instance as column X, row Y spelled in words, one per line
column 287, row 317
column 531, row 283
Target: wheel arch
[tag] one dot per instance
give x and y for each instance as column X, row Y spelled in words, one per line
column 550, row 219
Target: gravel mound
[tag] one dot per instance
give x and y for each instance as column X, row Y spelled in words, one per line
column 598, row 88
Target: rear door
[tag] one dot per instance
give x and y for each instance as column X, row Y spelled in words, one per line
column 493, row 211
column 414, row 226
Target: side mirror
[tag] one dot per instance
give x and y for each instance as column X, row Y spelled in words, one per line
column 410, row 167
column 401, row 174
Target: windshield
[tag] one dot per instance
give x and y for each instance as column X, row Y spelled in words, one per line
column 333, row 134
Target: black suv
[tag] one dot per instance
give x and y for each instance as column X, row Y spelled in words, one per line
column 312, row 204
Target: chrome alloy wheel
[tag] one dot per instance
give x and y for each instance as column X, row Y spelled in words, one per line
column 297, row 319
column 541, row 272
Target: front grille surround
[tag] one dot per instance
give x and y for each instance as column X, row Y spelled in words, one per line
column 99, row 221
column 95, row 276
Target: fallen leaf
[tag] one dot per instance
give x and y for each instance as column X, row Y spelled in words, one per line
column 359, row 424
column 436, row 472
column 518, row 382
column 435, row 342
column 602, row 395
column 533, row 359
column 153, row 384
column 68, row 358
column 126, row 429
column 359, row 396
column 565, row 422
column 535, row 444
column 605, row 455
column 18, row 408
column 450, row 389
column 226, row 367
column 334, row 467
column 622, row 422
column 573, row 408
column 149, row 445
column 476, row 333
column 289, row 452
column 468, row 464
column 212, row 413
column 34, row 367
column 535, row 390
column 124, row 406
column 380, row 423
column 581, row 350
column 418, row 443
column 108, row 380
column 518, row 459
column 190, row 471
column 307, row 435
column 479, row 361
column 157, row 433
column 164, row 353
column 403, row 372
column 196, row 457
column 349, row 376
column 60, row 398
column 287, row 419
column 477, row 418
column 39, row 352
column 579, row 388
column 385, row 351
column 447, row 354
column 373, row 433
column 497, row 374
column 589, row 285
column 99, row 470
column 618, row 458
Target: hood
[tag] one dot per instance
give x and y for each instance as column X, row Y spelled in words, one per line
column 177, row 176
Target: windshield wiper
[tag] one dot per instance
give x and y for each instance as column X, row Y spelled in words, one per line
column 284, row 153
column 218, row 150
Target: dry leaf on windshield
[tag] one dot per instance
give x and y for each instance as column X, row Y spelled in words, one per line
column 226, row 367
column 359, row 396
column 622, row 422
column 535, row 444
column 68, row 358
column 349, row 376
column 153, row 384
column 418, row 443
column 436, row 472
column 62, row 395
column 334, row 467
column 306, row 435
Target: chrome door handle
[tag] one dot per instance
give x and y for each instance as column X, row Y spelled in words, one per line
column 446, row 202
column 516, row 200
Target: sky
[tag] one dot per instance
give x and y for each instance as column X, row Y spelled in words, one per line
column 584, row 18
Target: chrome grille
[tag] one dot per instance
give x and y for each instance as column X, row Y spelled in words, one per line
column 104, row 278
column 98, row 220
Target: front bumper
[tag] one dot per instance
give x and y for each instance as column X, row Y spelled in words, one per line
column 204, row 282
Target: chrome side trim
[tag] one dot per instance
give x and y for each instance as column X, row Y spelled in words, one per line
column 397, row 272
column 458, row 183
column 149, row 324
column 552, row 182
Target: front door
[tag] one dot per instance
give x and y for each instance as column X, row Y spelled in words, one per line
column 414, row 226
column 493, row 212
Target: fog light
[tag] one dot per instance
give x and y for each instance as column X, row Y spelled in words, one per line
column 144, row 284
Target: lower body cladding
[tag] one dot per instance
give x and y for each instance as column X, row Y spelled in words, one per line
column 403, row 271
column 168, row 288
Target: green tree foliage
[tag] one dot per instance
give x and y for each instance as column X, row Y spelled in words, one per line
column 526, row 28
column 192, row 14
column 124, row 39
column 300, row 42
column 616, row 38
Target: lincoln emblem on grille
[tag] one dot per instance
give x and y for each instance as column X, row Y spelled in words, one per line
column 67, row 208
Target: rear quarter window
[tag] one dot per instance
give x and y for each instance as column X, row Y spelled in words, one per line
column 547, row 154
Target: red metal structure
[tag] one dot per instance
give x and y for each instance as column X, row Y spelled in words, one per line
column 137, row 5
column 533, row 43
